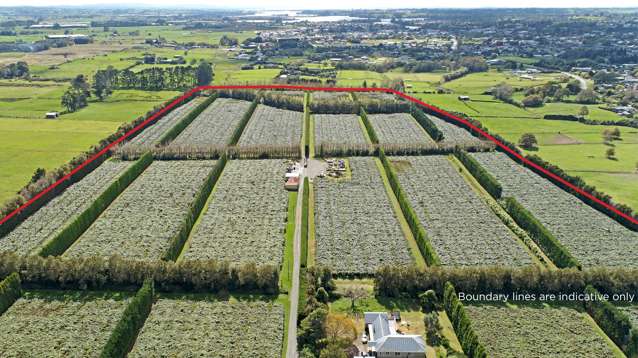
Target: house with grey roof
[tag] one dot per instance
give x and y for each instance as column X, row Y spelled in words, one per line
column 385, row 341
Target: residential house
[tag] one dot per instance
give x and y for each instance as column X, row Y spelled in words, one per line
column 384, row 340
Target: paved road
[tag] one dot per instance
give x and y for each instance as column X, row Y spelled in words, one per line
column 293, row 295
column 583, row 82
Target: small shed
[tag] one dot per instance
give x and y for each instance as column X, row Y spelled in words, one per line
column 52, row 115
column 464, row 98
column 292, row 184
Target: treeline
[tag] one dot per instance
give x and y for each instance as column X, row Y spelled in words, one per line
column 10, row 291
column 149, row 79
column 397, row 281
column 614, row 322
column 374, row 104
column 573, row 180
column 427, row 124
column 550, row 245
column 283, row 100
column 625, row 122
column 462, row 324
column 419, row 233
column 481, row 175
column 336, row 105
column 15, row 70
column 42, row 179
column 313, row 311
column 98, row 273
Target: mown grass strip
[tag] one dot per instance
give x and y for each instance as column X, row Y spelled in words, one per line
column 76, row 228
column 304, row 222
column 184, row 122
column 10, row 291
column 128, row 327
column 195, row 210
column 543, row 238
column 288, row 260
column 420, row 236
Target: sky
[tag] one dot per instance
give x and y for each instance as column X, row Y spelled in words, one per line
column 333, row 4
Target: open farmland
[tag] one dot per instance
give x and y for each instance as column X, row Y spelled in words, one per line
column 462, row 228
column 212, row 329
column 215, row 125
column 356, row 229
column 272, row 126
column 245, row 220
column 59, row 325
column 49, row 220
column 152, row 134
column 400, row 129
column 338, row 129
column 590, row 236
column 536, row 331
column 454, row 135
column 140, row 223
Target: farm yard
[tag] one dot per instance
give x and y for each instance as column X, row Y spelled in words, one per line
column 212, row 328
column 592, row 237
column 270, row 126
column 69, row 324
column 356, row 229
column 45, row 223
column 537, row 331
column 141, row 222
column 439, row 194
column 245, row 219
column 214, row 126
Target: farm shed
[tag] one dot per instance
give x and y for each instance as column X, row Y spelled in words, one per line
column 52, row 115
column 292, row 184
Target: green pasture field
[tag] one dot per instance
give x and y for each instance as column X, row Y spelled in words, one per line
column 478, row 83
column 251, row 76
column 28, row 144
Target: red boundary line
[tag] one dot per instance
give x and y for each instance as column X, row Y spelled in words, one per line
column 327, row 89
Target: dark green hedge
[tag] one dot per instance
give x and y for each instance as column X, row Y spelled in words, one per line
column 462, row 323
column 426, row 123
column 10, row 291
column 486, row 179
column 76, row 228
column 244, row 122
column 371, row 133
column 124, row 335
column 416, row 228
column 545, row 239
column 177, row 242
column 304, row 222
column 613, row 322
column 184, row 122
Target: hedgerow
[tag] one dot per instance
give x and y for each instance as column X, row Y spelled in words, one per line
column 486, row 179
column 123, row 336
column 74, row 230
column 545, row 239
column 10, row 291
column 426, row 123
column 462, row 323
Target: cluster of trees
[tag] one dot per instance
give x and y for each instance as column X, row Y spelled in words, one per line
column 423, row 66
column 610, row 135
column 528, row 141
column 119, row 273
column 320, row 333
column 152, row 79
column 397, row 281
column 225, row 40
column 76, row 96
column 15, row 70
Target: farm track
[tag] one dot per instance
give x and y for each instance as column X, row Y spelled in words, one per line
column 294, row 288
